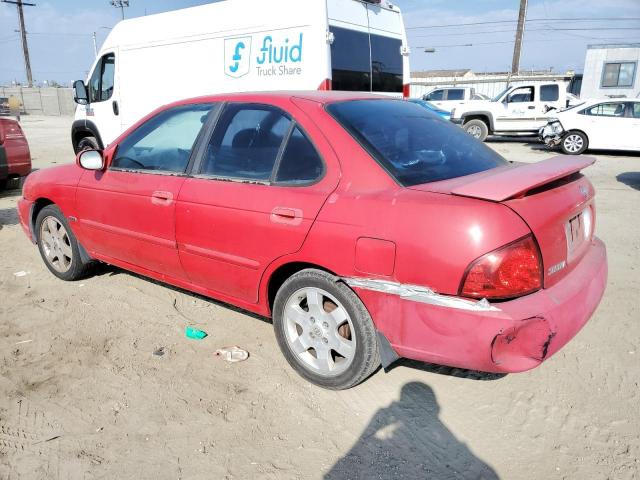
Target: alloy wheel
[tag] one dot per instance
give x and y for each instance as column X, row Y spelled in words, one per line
column 319, row 331
column 475, row 131
column 573, row 143
column 56, row 244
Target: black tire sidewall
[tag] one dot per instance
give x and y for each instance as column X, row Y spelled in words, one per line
column 366, row 356
column 585, row 144
column 87, row 143
column 78, row 268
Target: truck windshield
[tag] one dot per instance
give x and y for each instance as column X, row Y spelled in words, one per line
column 364, row 62
column 411, row 144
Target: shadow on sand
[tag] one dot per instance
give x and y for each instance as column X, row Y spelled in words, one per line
column 408, row 440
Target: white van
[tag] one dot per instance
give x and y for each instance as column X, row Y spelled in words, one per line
column 235, row 46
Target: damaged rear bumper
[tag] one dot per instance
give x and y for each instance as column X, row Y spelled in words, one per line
column 510, row 336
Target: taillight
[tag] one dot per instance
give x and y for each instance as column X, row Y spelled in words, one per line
column 325, row 85
column 510, row 271
column 406, row 90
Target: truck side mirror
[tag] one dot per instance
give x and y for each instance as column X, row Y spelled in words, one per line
column 80, row 95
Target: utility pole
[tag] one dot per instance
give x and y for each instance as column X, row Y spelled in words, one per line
column 23, row 32
column 522, row 16
column 120, row 4
column 95, row 44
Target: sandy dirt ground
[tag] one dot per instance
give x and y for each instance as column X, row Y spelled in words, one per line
column 82, row 395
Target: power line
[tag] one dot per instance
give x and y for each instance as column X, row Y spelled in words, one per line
column 601, row 19
column 550, row 29
column 511, row 41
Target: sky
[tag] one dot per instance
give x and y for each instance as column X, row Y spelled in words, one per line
column 61, row 45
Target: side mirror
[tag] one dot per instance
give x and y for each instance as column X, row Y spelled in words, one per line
column 90, row 159
column 80, row 95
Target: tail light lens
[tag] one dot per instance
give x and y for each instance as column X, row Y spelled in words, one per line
column 325, row 85
column 510, row 271
column 406, row 90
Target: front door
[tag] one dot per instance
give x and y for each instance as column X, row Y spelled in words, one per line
column 606, row 125
column 128, row 211
column 520, row 111
column 258, row 187
column 103, row 108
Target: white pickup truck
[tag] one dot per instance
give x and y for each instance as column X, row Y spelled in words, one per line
column 519, row 110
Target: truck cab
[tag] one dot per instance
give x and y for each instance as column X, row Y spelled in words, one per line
column 518, row 110
column 449, row 97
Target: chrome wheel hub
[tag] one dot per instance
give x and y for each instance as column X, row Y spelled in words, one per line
column 56, row 244
column 474, row 131
column 319, row 330
column 573, row 143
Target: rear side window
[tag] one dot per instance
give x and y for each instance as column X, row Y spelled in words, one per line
column 102, row 80
column 386, row 64
column 613, row 109
column 300, row 162
column 455, row 94
column 549, row 93
column 636, row 109
column 163, row 143
column 412, row 145
column 246, row 142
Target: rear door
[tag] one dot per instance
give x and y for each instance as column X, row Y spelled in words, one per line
column 261, row 180
column 128, row 211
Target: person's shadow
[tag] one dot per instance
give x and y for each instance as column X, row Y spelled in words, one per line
column 408, row 440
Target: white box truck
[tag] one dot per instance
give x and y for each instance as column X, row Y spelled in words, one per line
column 236, row 46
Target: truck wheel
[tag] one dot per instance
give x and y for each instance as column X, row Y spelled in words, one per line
column 324, row 330
column 574, row 143
column 58, row 245
column 477, row 129
column 87, row 143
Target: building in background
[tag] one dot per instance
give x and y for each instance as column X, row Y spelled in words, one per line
column 611, row 70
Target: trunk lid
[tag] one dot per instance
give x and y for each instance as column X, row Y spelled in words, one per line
column 551, row 196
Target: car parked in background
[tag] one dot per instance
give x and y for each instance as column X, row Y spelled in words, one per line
column 604, row 124
column 367, row 228
column 15, row 157
column 4, row 106
column 432, row 108
column 448, row 98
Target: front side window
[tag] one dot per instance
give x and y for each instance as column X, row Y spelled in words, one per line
column 102, row 80
column 411, row 144
column 435, row 95
column 549, row 93
column 612, row 109
column 618, row 74
column 246, row 142
column 164, row 143
column 521, row 95
column 636, row 109
column 455, row 94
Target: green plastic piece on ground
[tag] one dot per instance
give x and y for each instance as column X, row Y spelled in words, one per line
column 195, row 333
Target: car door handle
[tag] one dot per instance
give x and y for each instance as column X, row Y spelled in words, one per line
column 531, row 107
column 291, row 216
column 116, row 109
column 161, row 198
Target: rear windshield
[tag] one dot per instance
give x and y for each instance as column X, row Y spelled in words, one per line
column 413, row 145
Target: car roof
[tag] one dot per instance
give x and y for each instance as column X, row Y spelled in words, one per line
column 320, row 96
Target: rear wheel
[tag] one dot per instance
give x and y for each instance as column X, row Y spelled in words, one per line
column 477, row 129
column 574, row 143
column 58, row 245
column 324, row 330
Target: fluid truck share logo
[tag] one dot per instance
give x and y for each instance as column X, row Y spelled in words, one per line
column 276, row 57
column 237, row 56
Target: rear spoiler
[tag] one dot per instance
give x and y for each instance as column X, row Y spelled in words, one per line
column 515, row 181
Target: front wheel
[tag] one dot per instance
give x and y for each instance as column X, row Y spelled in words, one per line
column 574, row 143
column 477, row 129
column 324, row 330
column 58, row 245
column 87, row 143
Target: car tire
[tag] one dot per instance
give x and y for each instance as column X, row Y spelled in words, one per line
column 324, row 330
column 574, row 142
column 58, row 245
column 477, row 129
column 87, row 143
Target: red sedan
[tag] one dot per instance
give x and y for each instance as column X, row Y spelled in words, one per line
column 366, row 227
column 15, row 158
